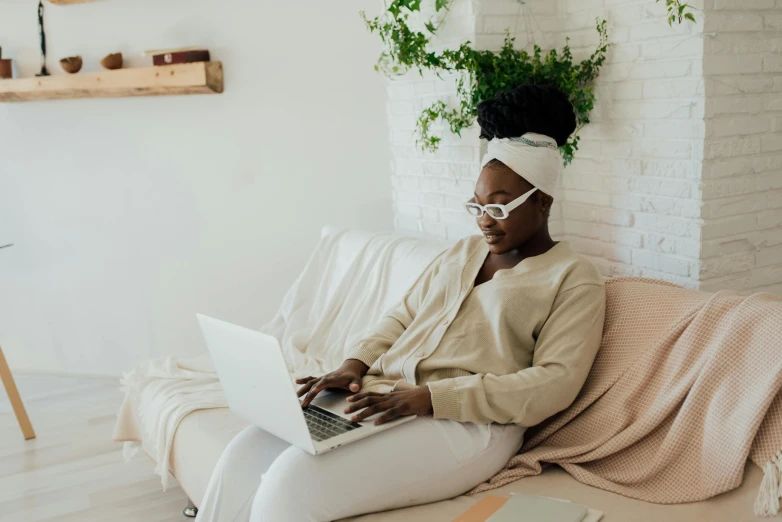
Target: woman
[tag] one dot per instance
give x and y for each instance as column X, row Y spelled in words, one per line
column 496, row 335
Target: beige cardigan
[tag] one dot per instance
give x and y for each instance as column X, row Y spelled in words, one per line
column 515, row 349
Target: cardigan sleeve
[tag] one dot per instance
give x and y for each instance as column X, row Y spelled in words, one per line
column 564, row 352
column 397, row 319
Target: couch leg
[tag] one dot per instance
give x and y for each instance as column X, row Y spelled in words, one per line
column 190, row 511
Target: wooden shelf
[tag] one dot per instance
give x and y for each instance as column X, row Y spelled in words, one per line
column 186, row 78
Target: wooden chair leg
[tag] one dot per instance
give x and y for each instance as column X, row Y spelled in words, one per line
column 16, row 400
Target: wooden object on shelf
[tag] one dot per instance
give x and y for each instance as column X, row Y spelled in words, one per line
column 16, row 400
column 112, row 61
column 72, row 64
column 6, row 69
column 69, row 2
column 186, row 78
column 201, row 55
column 153, row 52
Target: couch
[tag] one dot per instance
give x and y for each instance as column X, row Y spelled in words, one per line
column 203, row 434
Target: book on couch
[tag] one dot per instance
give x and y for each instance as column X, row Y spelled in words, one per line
column 528, row 508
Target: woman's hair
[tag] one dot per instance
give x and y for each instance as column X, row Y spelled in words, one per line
column 543, row 109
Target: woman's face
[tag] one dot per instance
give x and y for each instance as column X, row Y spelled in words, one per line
column 499, row 184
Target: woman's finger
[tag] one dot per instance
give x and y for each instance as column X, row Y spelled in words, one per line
column 366, row 401
column 361, row 395
column 377, row 407
column 390, row 414
column 305, row 379
column 319, row 385
column 301, row 391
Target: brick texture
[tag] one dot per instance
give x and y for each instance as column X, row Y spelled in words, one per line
column 679, row 174
column 741, row 188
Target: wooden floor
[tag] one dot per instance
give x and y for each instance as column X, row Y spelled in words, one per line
column 73, row 471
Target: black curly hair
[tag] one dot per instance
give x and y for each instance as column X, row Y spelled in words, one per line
column 543, row 109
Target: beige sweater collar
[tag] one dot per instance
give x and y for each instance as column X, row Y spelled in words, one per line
column 560, row 250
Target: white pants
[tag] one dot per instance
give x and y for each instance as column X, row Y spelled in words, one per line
column 261, row 478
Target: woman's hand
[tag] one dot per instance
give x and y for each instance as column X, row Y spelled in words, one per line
column 395, row 404
column 346, row 377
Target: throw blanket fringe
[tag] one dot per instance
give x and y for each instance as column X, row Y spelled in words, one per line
column 171, row 389
column 767, row 501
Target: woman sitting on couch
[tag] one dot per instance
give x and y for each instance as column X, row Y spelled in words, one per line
column 498, row 334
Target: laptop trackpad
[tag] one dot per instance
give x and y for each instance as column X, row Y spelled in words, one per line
column 335, row 400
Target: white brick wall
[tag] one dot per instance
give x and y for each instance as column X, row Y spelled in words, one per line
column 677, row 177
column 741, row 188
column 429, row 188
column 645, row 125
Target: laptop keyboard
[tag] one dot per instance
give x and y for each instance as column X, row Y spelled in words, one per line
column 323, row 424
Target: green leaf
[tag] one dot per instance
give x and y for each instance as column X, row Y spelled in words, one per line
column 690, row 17
column 482, row 74
column 414, row 5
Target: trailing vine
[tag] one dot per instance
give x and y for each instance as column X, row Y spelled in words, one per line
column 482, row 74
column 676, row 11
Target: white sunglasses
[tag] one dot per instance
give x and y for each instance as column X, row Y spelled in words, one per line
column 497, row 210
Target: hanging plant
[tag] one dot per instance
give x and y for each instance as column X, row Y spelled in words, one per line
column 676, row 11
column 483, row 74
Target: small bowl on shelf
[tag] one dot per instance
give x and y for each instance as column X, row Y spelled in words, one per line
column 112, row 61
column 71, row 64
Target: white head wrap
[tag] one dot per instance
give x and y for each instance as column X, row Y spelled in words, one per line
column 534, row 157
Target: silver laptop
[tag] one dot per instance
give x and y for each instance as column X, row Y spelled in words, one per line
column 258, row 387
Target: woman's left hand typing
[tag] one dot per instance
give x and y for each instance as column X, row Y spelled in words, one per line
column 394, row 404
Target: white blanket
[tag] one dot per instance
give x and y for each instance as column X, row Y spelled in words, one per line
column 350, row 281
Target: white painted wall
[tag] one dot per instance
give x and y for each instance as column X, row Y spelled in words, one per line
column 130, row 215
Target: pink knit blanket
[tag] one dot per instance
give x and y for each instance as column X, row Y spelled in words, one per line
column 685, row 388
